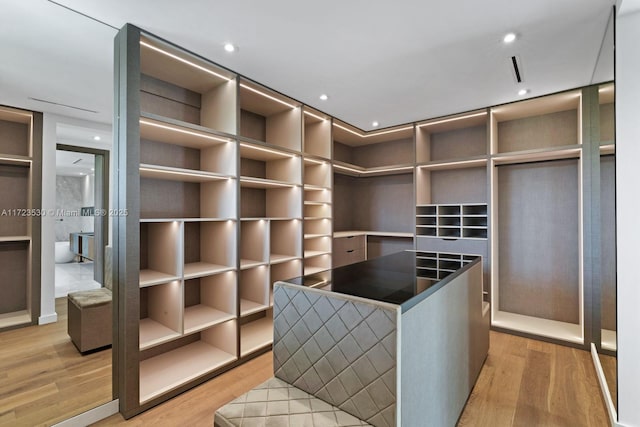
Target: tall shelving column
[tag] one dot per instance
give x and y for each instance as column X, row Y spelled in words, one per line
column 177, row 268
column 20, row 179
column 452, row 208
column 536, row 221
column 318, row 183
column 270, row 207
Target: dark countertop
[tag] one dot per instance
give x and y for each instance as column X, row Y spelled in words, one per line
column 404, row 278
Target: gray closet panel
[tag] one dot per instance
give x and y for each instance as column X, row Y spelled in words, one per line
column 467, row 185
column 608, row 241
column 545, row 131
column 538, row 217
column 384, row 203
column 459, row 143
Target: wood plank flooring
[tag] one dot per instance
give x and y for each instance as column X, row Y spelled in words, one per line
column 44, row 379
column 523, row 383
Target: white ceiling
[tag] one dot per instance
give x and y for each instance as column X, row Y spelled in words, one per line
column 394, row 62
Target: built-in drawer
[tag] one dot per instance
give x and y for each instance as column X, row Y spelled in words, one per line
column 348, row 243
column 348, row 257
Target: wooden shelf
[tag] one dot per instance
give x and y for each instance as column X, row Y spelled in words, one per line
column 9, row 239
column 169, row 370
column 569, row 332
column 177, row 174
column 278, row 258
column 250, row 182
column 256, row 335
column 536, row 155
column 354, row 170
column 471, row 162
column 152, row 277
column 22, row 317
column 174, row 132
column 310, row 254
column 250, row 263
column 10, row 160
column 199, row 269
column 153, row 333
column 199, row 317
column 248, row 307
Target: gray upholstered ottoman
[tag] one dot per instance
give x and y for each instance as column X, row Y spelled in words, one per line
column 276, row 403
column 89, row 319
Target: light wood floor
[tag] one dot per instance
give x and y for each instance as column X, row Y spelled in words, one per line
column 44, row 379
column 523, row 383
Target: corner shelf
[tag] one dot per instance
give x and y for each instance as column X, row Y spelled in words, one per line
column 256, row 335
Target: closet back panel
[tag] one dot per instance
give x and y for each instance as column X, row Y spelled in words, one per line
column 459, row 143
column 168, row 100
column 253, row 203
column 467, row 185
column 169, row 199
column 608, row 241
column 253, row 125
column 14, row 181
column 545, row 131
column 161, row 154
column 384, row 203
column 607, row 122
column 538, row 216
column 384, row 153
column 14, row 138
column 343, row 206
column 342, row 152
column 14, row 259
column 538, row 226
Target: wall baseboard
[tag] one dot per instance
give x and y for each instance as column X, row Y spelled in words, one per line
column 49, row 318
column 91, row 416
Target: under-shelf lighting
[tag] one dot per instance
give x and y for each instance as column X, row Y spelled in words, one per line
column 348, row 130
column 180, row 173
column 266, row 183
column 319, row 162
column 367, row 135
column 315, row 115
column 452, row 119
column 273, row 98
column 184, row 61
column 266, row 150
column 458, row 163
column 187, row 132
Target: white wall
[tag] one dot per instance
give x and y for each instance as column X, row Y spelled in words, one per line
column 49, row 141
column 628, row 206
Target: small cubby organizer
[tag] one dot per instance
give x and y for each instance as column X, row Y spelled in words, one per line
column 20, row 176
column 467, row 221
column 239, row 186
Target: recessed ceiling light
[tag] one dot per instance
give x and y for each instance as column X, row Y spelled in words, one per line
column 96, row 138
column 523, row 92
column 229, row 47
column 324, row 97
column 375, row 124
column 509, row 37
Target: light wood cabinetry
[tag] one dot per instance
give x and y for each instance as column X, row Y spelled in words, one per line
column 231, row 186
column 20, row 177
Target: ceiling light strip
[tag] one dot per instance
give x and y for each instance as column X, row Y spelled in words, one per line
column 453, row 119
column 367, row 135
column 266, row 150
column 184, row 61
column 314, row 115
column 273, row 98
column 347, row 168
column 187, row 132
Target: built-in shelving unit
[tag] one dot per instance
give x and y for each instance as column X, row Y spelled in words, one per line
column 318, row 213
column 536, row 172
column 20, row 178
column 235, row 186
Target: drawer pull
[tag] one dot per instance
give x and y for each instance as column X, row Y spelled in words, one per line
column 350, row 250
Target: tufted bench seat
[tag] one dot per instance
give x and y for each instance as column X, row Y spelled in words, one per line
column 89, row 319
column 276, row 403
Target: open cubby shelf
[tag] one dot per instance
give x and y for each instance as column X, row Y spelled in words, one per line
column 317, row 133
column 468, row 221
column 256, row 335
column 187, row 359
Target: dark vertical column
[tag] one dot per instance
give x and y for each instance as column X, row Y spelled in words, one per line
column 591, row 213
column 126, row 236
